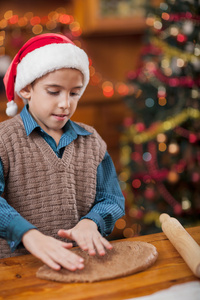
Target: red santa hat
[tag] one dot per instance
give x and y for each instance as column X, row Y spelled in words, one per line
column 38, row 56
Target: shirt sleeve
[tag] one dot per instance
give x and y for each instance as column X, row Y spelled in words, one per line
column 12, row 224
column 109, row 203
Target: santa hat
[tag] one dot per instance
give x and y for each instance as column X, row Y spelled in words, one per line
column 40, row 55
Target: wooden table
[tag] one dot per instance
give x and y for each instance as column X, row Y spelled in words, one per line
column 18, row 280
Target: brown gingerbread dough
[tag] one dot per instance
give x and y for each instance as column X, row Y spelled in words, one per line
column 126, row 258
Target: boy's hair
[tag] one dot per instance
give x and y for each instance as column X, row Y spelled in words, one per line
column 38, row 56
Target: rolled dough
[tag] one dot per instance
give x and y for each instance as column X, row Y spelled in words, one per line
column 126, row 258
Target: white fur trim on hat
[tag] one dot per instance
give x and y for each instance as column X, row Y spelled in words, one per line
column 50, row 58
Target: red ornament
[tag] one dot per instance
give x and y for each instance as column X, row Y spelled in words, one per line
column 181, row 38
column 195, row 177
column 177, row 209
column 140, row 127
column 192, row 138
column 149, row 193
column 136, row 156
column 136, row 183
column 128, row 121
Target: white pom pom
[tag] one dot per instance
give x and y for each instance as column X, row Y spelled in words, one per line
column 11, row 109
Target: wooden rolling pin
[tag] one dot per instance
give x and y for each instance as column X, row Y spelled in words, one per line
column 182, row 241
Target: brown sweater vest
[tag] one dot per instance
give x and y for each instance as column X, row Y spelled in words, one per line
column 49, row 192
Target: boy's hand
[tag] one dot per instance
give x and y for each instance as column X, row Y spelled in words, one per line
column 87, row 236
column 52, row 252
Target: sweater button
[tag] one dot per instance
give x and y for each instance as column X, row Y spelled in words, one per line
column 12, row 244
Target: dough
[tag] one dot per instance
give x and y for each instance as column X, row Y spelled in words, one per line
column 124, row 259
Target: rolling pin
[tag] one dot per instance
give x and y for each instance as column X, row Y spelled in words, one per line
column 182, row 241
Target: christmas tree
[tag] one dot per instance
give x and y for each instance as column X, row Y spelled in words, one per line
column 160, row 149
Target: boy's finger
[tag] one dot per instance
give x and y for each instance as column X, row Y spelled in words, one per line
column 65, row 233
column 82, row 243
column 67, row 245
column 50, row 262
column 106, row 243
column 68, row 260
column 73, row 265
column 99, row 246
column 90, row 247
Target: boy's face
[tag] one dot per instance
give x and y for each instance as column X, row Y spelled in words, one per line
column 53, row 98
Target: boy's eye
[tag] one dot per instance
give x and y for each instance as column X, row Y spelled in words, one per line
column 74, row 94
column 53, row 92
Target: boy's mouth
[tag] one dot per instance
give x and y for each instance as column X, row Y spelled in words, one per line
column 60, row 116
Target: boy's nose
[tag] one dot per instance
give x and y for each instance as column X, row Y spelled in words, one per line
column 64, row 102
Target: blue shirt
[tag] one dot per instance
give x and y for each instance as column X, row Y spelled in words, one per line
column 109, row 201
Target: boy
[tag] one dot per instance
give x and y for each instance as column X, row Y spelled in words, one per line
column 56, row 177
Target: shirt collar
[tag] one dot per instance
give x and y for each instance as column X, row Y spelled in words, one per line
column 30, row 124
column 77, row 128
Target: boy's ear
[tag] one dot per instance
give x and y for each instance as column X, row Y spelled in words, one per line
column 26, row 92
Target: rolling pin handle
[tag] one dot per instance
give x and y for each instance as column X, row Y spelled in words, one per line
column 164, row 217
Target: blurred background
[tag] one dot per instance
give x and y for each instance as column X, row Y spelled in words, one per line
column 143, row 96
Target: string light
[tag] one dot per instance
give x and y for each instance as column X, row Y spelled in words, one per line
column 120, row 224
column 22, row 22
column 54, row 20
column 35, row 20
column 107, row 87
column 37, row 29
column 165, row 16
column 8, row 14
column 162, row 147
column 180, row 62
column 166, row 125
column 162, row 101
column 13, row 20
column 161, row 138
column 150, row 20
column 128, row 232
column 122, row 89
column 149, row 102
column 173, row 148
column 172, row 176
column 186, row 203
column 157, row 25
column 65, row 19
column 174, row 31
column 172, row 51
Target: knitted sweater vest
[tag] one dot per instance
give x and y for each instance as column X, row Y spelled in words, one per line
column 50, row 192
